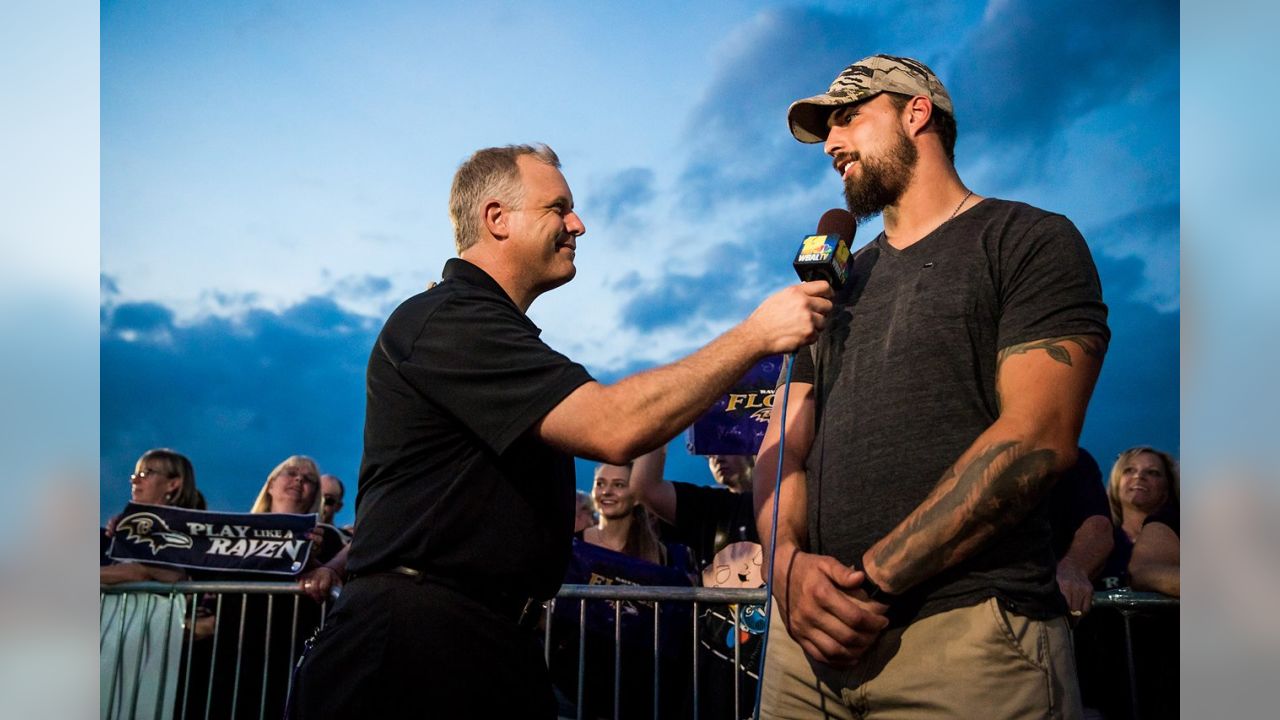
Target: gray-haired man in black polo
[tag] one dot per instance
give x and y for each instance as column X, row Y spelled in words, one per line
column 466, row 495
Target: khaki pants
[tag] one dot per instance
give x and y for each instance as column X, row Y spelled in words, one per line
column 980, row 661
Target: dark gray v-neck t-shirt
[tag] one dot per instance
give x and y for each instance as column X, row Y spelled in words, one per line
column 905, row 382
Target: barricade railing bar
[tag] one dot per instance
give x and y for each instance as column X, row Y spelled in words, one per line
column 1128, row 603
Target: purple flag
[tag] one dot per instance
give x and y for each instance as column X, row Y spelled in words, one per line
column 735, row 425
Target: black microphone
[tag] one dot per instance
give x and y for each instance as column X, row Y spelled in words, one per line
column 825, row 254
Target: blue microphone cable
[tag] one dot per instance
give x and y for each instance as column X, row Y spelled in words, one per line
column 773, row 533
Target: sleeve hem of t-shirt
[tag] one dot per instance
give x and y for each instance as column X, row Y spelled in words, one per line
column 575, row 377
column 1074, row 328
column 803, row 372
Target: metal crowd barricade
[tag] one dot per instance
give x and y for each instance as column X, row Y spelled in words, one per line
column 275, row 672
column 698, row 598
column 1130, row 603
column 1126, row 602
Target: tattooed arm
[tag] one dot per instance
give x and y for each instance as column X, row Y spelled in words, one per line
column 1044, row 388
column 817, row 596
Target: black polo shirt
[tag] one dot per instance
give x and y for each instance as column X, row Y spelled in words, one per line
column 452, row 482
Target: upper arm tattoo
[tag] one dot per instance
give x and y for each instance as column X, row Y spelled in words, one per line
column 1092, row 345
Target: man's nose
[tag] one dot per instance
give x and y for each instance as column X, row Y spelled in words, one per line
column 573, row 223
column 835, row 142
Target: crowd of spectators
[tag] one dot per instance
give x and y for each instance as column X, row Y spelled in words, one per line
column 221, row 673
column 1121, row 534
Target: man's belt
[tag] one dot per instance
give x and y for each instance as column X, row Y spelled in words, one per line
column 524, row 611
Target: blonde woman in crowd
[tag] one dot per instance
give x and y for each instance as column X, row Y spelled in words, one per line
column 292, row 487
column 1143, row 480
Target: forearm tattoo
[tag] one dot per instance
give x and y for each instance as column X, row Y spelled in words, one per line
column 993, row 492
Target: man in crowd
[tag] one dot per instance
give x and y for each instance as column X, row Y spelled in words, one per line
column 705, row 519
column 585, row 515
column 1081, row 522
column 331, row 492
column 914, row 576
column 466, row 493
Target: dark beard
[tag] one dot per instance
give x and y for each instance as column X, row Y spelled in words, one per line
column 883, row 180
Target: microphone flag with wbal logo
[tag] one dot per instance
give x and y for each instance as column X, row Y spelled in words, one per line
column 824, row 255
column 274, row 543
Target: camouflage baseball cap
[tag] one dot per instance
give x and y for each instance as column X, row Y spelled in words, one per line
column 860, row 81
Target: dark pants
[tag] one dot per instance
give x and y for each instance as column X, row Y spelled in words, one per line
column 397, row 647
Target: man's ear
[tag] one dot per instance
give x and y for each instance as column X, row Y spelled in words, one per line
column 916, row 114
column 496, row 219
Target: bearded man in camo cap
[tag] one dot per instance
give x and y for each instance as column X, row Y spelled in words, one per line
column 914, row 576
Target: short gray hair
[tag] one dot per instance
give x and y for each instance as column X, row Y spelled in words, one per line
column 491, row 172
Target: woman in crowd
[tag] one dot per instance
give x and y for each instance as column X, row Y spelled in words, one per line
column 1143, row 486
column 624, row 525
column 1143, row 481
column 164, row 477
column 1154, row 563
column 160, row 477
column 292, row 487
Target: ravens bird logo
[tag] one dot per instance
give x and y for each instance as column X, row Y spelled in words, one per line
column 146, row 528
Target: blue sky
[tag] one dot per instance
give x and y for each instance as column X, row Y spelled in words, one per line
column 274, row 181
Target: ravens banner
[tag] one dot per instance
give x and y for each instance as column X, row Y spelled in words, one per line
column 274, row 543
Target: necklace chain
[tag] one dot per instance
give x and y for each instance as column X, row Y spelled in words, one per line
column 963, row 200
